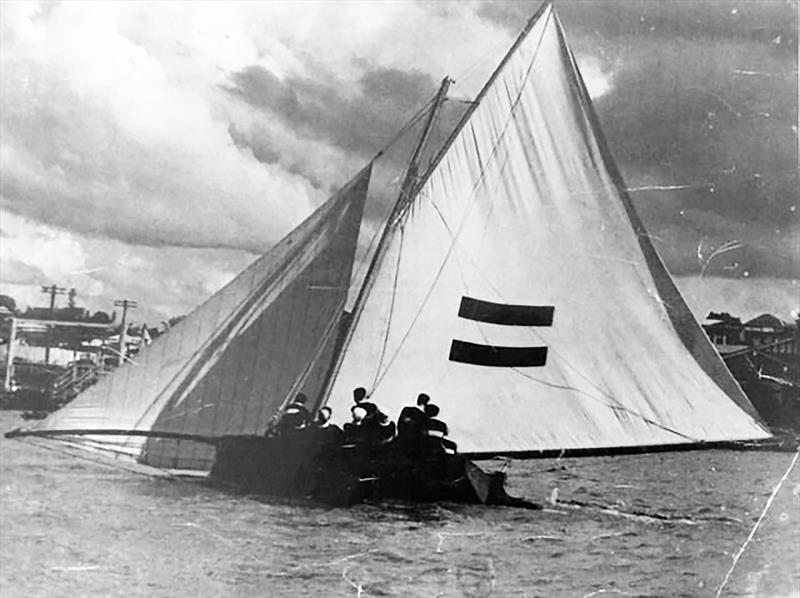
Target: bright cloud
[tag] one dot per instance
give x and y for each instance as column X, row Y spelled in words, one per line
column 98, row 136
column 598, row 82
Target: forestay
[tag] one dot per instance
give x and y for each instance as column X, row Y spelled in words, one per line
column 522, row 293
column 228, row 367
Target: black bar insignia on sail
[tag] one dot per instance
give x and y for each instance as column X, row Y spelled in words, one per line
column 507, row 315
column 502, row 313
column 509, row 357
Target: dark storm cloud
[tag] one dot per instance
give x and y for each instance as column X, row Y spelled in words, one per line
column 703, row 96
column 313, row 109
column 736, row 20
column 361, row 124
column 258, row 142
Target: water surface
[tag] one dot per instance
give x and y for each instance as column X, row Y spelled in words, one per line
column 75, row 526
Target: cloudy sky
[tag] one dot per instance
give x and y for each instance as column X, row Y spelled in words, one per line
column 149, row 151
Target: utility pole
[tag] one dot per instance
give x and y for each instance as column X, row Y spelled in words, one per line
column 52, row 290
column 125, row 304
column 10, row 356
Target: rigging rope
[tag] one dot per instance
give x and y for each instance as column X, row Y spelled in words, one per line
column 481, row 179
column 755, row 527
column 391, row 313
column 487, row 57
column 365, row 260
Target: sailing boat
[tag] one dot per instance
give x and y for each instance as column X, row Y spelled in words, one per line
column 514, row 283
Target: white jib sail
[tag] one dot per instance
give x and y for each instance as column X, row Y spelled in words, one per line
column 519, row 292
column 229, row 366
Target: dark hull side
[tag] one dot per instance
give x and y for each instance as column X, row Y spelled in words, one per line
column 302, row 467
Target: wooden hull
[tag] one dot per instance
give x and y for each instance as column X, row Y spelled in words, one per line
column 303, row 467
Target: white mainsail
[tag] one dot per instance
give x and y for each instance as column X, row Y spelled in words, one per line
column 520, row 290
column 229, row 366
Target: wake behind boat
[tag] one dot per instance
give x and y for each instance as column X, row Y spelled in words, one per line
column 513, row 281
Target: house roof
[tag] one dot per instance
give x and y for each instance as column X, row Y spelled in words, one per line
column 766, row 321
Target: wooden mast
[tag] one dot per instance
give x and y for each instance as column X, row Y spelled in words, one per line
column 407, row 192
column 410, row 183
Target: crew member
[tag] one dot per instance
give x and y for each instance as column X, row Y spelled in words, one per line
column 385, row 429
column 329, row 433
column 354, row 430
column 360, row 400
column 435, row 431
column 296, row 415
column 410, row 421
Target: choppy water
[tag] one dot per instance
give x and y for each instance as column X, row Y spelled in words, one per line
column 74, row 527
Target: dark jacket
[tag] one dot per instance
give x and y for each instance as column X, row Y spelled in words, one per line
column 409, row 424
column 294, row 417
